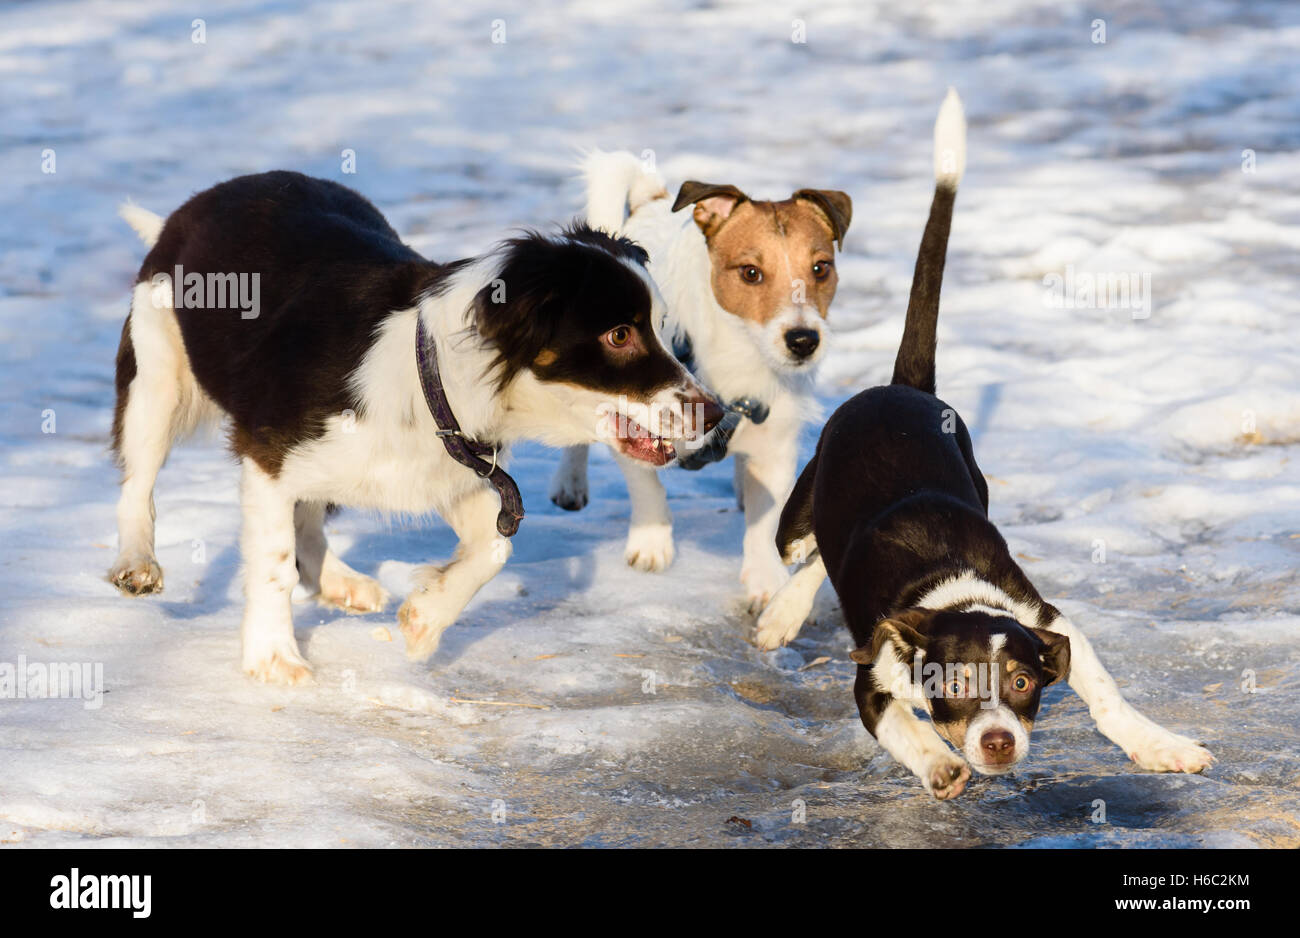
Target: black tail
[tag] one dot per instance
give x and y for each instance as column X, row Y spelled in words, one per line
column 914, row 365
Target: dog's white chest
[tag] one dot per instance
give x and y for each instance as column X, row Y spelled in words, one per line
column 366, row 467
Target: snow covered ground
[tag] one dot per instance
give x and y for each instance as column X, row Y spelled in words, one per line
column 634, row 710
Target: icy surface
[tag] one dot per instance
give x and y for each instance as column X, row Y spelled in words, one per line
column 1167, row 442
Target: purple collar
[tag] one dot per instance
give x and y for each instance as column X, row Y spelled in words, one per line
column 467, row 452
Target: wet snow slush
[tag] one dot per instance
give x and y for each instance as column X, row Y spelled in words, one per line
column 1143, row 468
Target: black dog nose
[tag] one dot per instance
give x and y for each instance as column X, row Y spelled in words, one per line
column 802, row 342
column 998, row 746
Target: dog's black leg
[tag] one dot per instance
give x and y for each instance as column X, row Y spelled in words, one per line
column 794, row 533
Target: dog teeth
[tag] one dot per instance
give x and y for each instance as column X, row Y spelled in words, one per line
column 656, row 443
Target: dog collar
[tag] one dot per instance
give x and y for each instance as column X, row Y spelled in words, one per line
column 470, row 453
column 742, row 408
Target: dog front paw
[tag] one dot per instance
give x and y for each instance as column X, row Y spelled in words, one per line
column 283, row 666
column 947, row 777
column 421, row 626
column 761, row 580
column 650, row 547
column 136, row 576
column 353, row 592
column 1170, row 752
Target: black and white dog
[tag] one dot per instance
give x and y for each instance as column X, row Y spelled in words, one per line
column 352, row 371
column 894, row 510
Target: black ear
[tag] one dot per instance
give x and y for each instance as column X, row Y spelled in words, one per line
column 835, row 205
column 713, row 203
column 903, row 631
column 1055, row 655
column 516, row 311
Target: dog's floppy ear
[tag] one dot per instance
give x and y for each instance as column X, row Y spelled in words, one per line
column 1055, row 655
column 835, row 205
column 714, row 203
column 902, row 631
column 515, row 312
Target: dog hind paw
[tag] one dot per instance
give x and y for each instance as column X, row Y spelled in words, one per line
column 136, row 576
column 1172, row 753
column 761, row 582
column 353, row 592
column 780, row 622
column 569, row 493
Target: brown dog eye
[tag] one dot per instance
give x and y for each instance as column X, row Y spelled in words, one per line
column 751, row 274
column 1021, row 684
column 955, row 688
column 822, row 270
column 619, row 336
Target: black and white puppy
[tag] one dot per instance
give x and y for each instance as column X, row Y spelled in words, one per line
column 287, row 306
column 894, row 509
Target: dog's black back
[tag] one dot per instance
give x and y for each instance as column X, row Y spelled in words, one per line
column 893, row 494
column 329, row 268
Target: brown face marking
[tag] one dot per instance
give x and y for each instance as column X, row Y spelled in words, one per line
column 783, row 241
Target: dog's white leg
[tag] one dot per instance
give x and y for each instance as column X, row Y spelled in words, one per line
column 789, row 608
column 443, row 591
column 267, row 542
column 768, row 480
column 149, row 421
column 569, row 484
column 1145, row 741
column 321, row 571
column 650, row 537
column 915, row 744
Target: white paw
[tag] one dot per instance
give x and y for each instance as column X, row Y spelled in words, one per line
column 946, row 776
column 761, row 580
column 781, row 620
column 569, row 490
column 352, row 592
column 1163, row 751
column 421, row 625
column 650, row 547
column 279, row 666
column 136, row 576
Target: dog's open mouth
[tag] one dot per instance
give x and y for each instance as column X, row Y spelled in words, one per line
column 639, row 443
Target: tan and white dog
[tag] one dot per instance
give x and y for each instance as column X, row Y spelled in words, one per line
column 748, row 284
